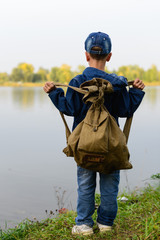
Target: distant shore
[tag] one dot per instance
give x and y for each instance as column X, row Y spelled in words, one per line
column 152, row 83
column 20, row 84
column 30, row 84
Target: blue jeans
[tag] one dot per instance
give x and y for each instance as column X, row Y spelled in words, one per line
column 107, row 210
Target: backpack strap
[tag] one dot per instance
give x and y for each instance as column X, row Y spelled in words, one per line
column 68, row 132
column 74, row 88
column 127, row 126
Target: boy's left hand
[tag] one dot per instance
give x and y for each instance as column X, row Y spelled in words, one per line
column 138, row 84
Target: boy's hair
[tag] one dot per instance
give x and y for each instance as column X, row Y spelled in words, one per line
column 98, row 56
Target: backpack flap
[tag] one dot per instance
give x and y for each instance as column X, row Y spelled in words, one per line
column 94, row 132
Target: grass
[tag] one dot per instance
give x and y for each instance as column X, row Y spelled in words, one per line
column 137, row 218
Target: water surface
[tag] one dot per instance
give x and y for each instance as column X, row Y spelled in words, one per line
column 34, row 173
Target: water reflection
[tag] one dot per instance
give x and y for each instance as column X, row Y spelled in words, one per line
column 4, row 94
column 152, row 95
column 24, row 97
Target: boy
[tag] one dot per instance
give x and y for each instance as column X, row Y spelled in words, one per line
column 121, row 103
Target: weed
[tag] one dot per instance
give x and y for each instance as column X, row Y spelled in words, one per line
column 138, row 218
column 155, row 176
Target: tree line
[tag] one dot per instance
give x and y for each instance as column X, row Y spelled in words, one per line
column 25, row 72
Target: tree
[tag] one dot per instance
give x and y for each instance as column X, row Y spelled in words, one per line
column 65, row 74
column 26, row 67
column 17, row 75
column 131, row 72
column 27, row 70
column 24, row 72
column 54, row 74
column 155, row 74
column 36, row 77
column 81, row 68
column 152, row 74
column 62, row 74
column 44, row 73
column 4, row 77
column 106, row 70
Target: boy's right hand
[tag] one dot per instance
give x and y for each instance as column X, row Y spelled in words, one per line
column 48, row 87
column 138, row 84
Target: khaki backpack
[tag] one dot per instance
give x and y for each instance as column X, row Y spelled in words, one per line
column 97, row 143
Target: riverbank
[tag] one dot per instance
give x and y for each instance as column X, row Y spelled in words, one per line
column 138, row 218
column 30, row 84
column 20, row 84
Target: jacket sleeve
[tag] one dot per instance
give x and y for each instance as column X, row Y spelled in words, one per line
column 69, row 104
column 127, row 102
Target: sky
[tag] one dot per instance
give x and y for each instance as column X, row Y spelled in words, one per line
column 48, row 33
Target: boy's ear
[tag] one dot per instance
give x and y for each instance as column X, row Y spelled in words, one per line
column 87, row 56
column 108, row 57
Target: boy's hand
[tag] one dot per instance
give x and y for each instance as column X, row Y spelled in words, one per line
column 138, row 84
column 48, row 87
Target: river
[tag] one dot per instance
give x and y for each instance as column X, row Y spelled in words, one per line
column 36, row 176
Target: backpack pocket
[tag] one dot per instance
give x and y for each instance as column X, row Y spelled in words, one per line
column 93, row 158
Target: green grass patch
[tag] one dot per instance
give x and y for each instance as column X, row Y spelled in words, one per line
column 137, row 218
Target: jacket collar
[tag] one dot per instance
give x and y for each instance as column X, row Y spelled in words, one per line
column 118, row 82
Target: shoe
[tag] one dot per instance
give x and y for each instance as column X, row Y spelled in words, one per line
column 82, row 229
column 104, row 228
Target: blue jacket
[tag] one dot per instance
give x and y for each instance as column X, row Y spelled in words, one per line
column 121, row 103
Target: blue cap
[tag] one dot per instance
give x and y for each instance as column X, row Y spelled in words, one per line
column 98, row 39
